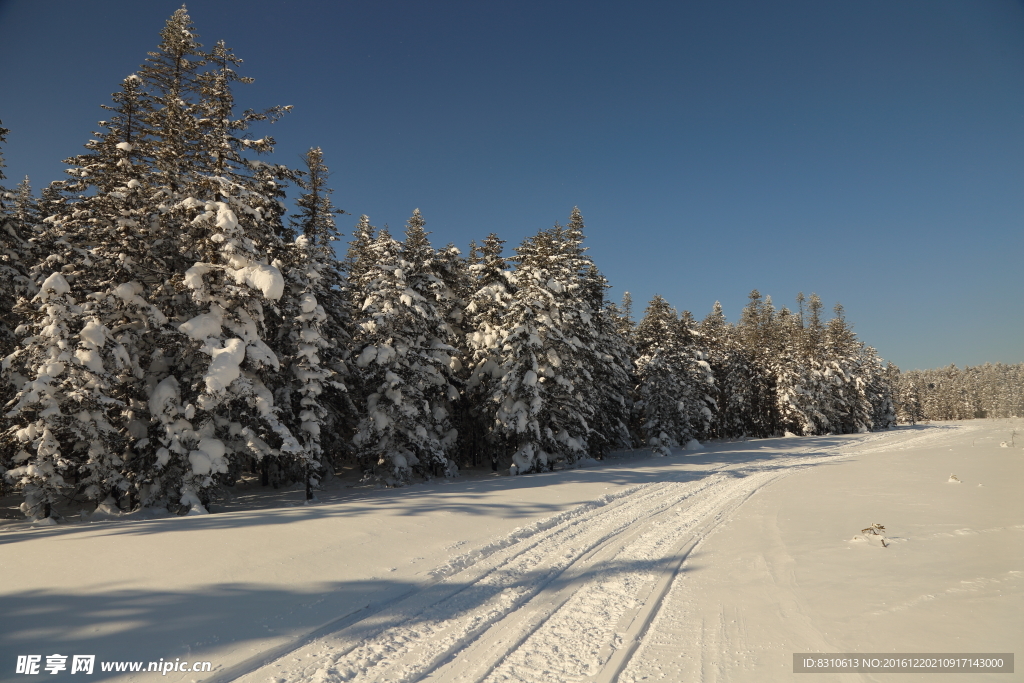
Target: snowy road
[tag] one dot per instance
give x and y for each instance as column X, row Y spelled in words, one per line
column 715, row 565
column 566, row 600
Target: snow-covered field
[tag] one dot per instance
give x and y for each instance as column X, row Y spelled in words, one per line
column 707, row 565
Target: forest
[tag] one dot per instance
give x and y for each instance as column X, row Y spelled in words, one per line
column 168, row 325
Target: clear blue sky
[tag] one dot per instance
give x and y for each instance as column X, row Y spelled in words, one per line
column 871, row 151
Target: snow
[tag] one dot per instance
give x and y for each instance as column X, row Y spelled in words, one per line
column 129, row 292
column 705, row 565
column 224, row 368
column 193, row 277
column 366, row 357
column 308, row 303
column 54, row 285
column 226, row 219
column 94, row 334
column 267, row 279
column 203, row 325
column 164, row 396
column 260, row 354
column 208, row 458
column 90, row 359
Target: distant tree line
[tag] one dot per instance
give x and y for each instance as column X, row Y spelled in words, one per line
column 166, row 328
column 989, row 390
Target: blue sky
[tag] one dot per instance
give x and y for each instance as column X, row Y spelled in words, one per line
column 872, row 152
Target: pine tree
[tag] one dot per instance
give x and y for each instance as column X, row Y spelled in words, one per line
column 719, row 348
column 315, row 327
column 662, row 414
column 542, row 411
column 168, row 241
column 359, row 261
column 802, row 401
column 453, row 293
column 18, row 216
column 613, row 376
column 486, row 312
column 405, row 361
column 845, row 355
column 699, row 380
column 757, row 339
column 78, row 411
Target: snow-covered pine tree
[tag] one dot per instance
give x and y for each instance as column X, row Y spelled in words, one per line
column 670, row 392
column 75, row 416
column 813, row 402
column 4, row 132
column 582, row 306
column 717, row 344
column 698, row 377
column 25, row 210
column 908, row 398
column 612, row 371
column 798, row 391
column 359, row 270
column 6, row 196
column 844, row 355
column 454, row 290
column 622, row 315
column 758, row 335
column 879, row 385
column 315, row 328
column 542, row 412
column 18, row 215
column 660, row 420
column 358, row 263
column 161, row 276
column 229, row 210
column 404, row 360
column 486, row 312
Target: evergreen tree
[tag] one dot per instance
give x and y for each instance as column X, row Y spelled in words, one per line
column 721, row 350
column 542, row 411
column 18, row 216
column 162, row 273
column 405, row 361
column 613, row 376
column 358, row 264
column 662, row 411
column 486, row 313
column 757, row 338
column 78, row 411
column 315, row 327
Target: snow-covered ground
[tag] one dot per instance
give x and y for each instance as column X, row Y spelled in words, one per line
column 707, row 565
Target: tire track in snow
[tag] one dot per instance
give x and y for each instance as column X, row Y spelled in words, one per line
column 523, row 555
column 510, row 610
column 645, row 662
column 593, row 634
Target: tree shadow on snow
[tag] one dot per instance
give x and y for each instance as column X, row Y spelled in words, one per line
column 259, row 622
column 473, row 496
